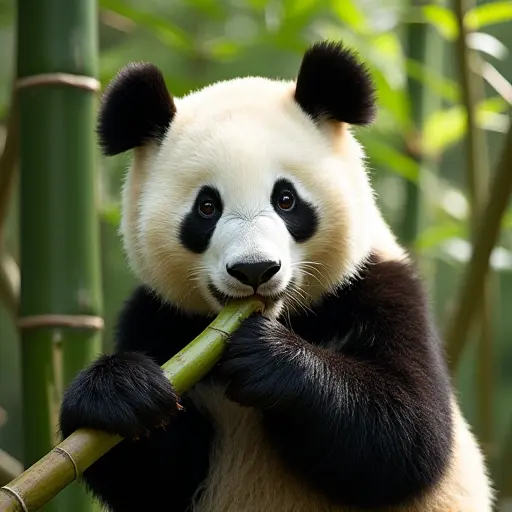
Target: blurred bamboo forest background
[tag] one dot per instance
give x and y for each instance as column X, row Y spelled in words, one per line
column 444, row 74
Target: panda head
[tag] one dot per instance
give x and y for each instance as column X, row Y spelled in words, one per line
column 248, row 186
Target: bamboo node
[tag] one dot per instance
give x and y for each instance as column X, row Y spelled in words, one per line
column 81, row 82
column 74, row 321
column 226, row 334
column 59, row 449
column 17, row 496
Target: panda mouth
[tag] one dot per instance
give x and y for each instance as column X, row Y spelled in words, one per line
column 223, row 298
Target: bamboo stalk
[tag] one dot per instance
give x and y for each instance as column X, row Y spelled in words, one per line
column 417, row 42
column 59, row 230
column 41, row 482
column 478, row 175
column 473, row 283
column 472, row 92
column 425, row 46
column 504, row 473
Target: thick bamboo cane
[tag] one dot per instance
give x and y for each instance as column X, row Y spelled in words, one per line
column 60, row 310
column 47, row 477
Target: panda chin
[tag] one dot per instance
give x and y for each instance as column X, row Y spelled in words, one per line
column 272, row 301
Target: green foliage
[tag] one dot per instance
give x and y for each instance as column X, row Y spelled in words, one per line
column 444, row 87
column 436, row 234
column 386, row 156
column 446, row 127
column 168, row 32
column 350, row 14
column 489, row 14
column 443, row 19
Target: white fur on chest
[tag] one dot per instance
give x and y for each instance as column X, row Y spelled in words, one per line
column 245, row 474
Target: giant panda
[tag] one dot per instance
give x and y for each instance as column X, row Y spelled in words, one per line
column 337, row 398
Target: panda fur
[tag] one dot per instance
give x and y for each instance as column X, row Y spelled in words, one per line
column 338, row 397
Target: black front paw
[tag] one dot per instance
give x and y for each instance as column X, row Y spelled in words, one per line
column 125, row 394
column 256, row 361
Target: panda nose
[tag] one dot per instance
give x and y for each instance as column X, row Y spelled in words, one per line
column 254, row 274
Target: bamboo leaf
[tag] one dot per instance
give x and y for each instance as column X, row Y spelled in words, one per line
column 349, row 13
column 486, row 43
column 484, row 15
column 300, row 8
column 211, row 8
column 386, row 52
column 435, row 235
column 443, row 129
column 385, row 155
column 443, row 19
column 507, row 220
column 223, row 50
column 166, row 31
column 446, row 127
column 444, row 87
column 294, row 16
column 488, row 14
column 392, row 100
column 111, row 214
column 258, row 4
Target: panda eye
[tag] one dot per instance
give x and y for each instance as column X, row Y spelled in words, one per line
column 286, row 200
column 207, row 209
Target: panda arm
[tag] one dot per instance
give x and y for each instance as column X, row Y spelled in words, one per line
column 367, row 422
column 126, row 393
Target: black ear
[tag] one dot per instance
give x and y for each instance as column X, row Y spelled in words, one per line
column 333, row 84
column 136, row 108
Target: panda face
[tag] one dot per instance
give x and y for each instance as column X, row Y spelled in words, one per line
column 248, row 186
column 250, row 244
column 246, row 195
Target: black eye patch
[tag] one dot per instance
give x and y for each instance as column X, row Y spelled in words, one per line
column 300, row 217
column 198, row 225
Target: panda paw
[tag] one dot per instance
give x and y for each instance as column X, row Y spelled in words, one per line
column 255, row 366
column 125, row 394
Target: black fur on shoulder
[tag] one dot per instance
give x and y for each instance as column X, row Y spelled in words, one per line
column 125, row 394
column 356, row 396
column 136, row 108
column 333, row 84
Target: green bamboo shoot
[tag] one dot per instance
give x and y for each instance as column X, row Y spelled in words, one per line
column 478, row 178
column 41, row 482
column 473, row 282
column 57, row 89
